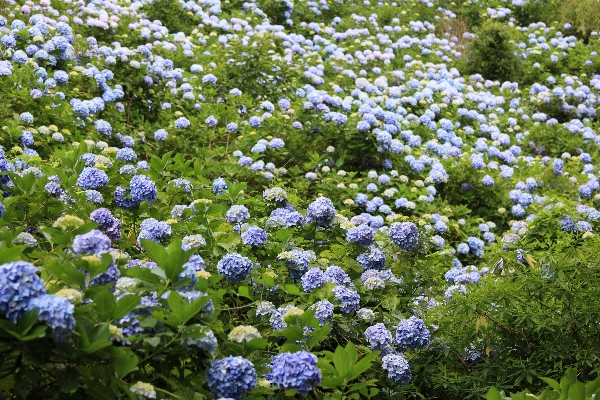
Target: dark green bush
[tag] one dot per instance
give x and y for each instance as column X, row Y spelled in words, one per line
column 172, row 15
column 492, row 54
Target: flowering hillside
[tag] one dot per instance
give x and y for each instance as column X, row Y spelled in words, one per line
column 217, row 199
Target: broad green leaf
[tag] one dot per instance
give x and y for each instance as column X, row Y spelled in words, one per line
column 494, row 394
column 319, row 335
column 143, row 274
column 105, row 306
column 124, row 360
column 341, row 361
column 362, row 365
column 125, row 305
column 577, row 391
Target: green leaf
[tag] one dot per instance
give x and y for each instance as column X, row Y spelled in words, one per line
column 11, row 253
column 319, row 335
column 243, row 291
column 143, row 274
column 36, row 333
column 592, row 387
column 69, row 380
column 577, row 391
column 494, row 394
column 363, row 384
column 66, row 272
column 341, row 361
column 332, row 382
column 27, row 321
column 291, row 333
column 256, row 344
column 363, row 365
column 177, row 305
column 156, row 252
column 125, row 305
column 104, row 304
column 352, row 353
column 325, row 365
column 124, row 360
column 552, row 383
column 292, row 289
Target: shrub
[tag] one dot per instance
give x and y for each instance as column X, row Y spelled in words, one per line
column 492, row 54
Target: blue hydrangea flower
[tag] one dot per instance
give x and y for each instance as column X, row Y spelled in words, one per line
column 19, row 285
column 231, row 377
column 208, row 342
column 254, row 236
column 191, row 241
column 142, row 188
column 126, row 154
column 92, row 178
column 108, row 224
column 374, row 259
column 404, row 235
column 348, row 298
column 26, row 117
column 237, row 214
column 94, row 241
column 412, row 333
column 397, row 368
column 94, row 196
column 298, row 261
column 323, row 311
column 160, row 135
column 321, row 211
column 295, row 371
column 312, row 279
column 379, row 338
column 235, row 267
column 337, row 275
column 154, row 230
column 219, row 185
column 103, row 127
column 57, row 312
column 182, row 123
column 362, row 235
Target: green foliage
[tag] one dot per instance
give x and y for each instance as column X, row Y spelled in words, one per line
column 172, row 15
column 569, row 388
column 492, row 53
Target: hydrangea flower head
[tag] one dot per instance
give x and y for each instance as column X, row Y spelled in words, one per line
column 404, row 235
column 231, row 377
column 254, row 236
column 295, row 371
column 397, row 368
column 235, row 267
column 321, row 211
column 57, row 312
column 92, row 178
column 19, row 285
column 412, row 333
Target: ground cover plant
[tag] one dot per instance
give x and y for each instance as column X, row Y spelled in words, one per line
column 217, row 199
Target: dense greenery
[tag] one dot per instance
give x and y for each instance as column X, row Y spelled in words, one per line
column 319, row 200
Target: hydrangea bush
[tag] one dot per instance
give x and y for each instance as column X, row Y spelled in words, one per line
column 320, row 200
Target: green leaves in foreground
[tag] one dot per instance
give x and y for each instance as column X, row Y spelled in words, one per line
column 569, row 388
column 342, row 367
